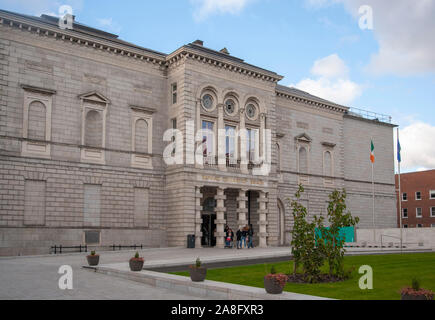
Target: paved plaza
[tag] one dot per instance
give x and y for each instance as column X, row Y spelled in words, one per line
column 37, row 277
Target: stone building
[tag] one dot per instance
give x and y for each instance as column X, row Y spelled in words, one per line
column 83, row 116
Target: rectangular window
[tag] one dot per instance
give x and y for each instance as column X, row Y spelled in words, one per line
column 208, row 141
column 418, row 195
column 419, row 212
column 433, row 225
column 432, row 212
column 91, row 205
column 174, row 93
column 230, row 142
column 432, row 194
column 404, row 197
column 405, row 226
column 34, row 203
column 419, row 225
column 405, row 212
column 251, row 141
column 141, row 207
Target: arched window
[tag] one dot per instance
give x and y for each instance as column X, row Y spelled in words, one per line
column 94, row 129
column 37, row 119
column 327, row 163
column 303, row 160
column 141, row 136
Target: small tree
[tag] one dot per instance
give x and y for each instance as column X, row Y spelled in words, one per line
column 303, row 243
column 333, row 242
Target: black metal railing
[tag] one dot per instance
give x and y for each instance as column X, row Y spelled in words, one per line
column 65, row 249
column 120, row 247
column 59, row 249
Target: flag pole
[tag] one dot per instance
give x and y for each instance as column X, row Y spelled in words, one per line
column 400, row 193
column 373, row 193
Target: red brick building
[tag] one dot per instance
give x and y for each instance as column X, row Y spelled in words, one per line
column 418, row 199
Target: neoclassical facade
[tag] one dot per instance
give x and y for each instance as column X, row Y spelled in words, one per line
column 85, row 131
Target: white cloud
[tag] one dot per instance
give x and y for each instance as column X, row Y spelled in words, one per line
column 332, row 82
column 418, row 147
column 205, row 8
column 330, row 67
column 405, row 31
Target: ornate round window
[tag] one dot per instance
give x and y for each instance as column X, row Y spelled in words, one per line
column 207, row 102
column 230, row 107
column 251, row 111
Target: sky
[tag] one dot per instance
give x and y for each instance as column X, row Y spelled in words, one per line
column 328, row 48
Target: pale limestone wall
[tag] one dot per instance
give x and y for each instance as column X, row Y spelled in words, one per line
column 352, row 168
column 36, row 241
column 412, row 237
column 72, row 70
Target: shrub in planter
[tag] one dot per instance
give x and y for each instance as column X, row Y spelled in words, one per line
column 416, row 293
column 93, row 259
column 274, row 283
column 136, row 263
column 197, row 273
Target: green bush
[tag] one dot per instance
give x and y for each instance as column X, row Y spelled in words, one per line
column 198, row 263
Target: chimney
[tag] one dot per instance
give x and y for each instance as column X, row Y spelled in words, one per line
column 199, row 43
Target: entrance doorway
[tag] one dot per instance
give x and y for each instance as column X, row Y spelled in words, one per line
column 208, row 226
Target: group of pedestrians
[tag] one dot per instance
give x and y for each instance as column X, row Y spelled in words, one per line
column 244, row 237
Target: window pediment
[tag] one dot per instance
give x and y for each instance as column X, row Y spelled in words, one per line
column 143, row 109
column 303, row 138
column 94, row 97
column 38, row 90
column 328, row 144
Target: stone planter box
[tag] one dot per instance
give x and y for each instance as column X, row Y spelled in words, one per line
column 272, row 287
column 136, row 264
column 197, row 274
column 93, row 260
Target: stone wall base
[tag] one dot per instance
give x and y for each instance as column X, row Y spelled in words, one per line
column 37, row 241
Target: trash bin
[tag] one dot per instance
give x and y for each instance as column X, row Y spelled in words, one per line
column 191, row 241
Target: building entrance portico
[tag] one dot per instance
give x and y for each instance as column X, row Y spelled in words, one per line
column 219, row 207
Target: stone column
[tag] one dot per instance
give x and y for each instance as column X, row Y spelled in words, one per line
column 243, row 138
column 262, row 211
column 198, row 218
column 220, row 218
column 199, row 163
column 262, row 141
column 221, row 143
column 242, row 210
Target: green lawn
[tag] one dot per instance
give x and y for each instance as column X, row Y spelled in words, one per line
column 390, row 273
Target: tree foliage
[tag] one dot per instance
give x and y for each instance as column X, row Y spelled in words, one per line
column 311, row 252
column 303, row 243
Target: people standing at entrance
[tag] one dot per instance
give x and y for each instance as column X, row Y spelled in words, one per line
column 229, row 238
column 250, row 236
column 239, row 238
column 244, row 235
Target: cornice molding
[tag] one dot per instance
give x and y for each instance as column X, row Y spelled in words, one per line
column 312, row 103
column 11, row 21
column 37, row 89
column 253, row 72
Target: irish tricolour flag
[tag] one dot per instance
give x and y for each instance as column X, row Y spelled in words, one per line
column 372, row 152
